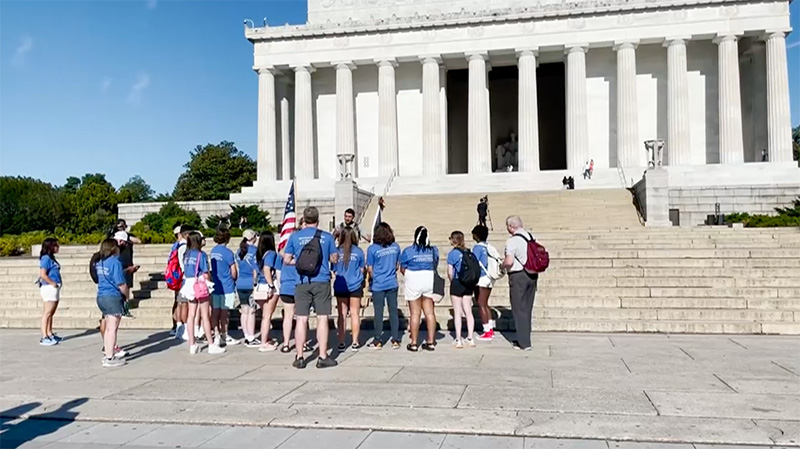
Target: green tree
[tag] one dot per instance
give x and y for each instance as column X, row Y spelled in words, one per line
column 136, row 190
column 28, row 204
column 93, row 205
column 214, row 172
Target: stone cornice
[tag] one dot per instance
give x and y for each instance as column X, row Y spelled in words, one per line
column 463, row 18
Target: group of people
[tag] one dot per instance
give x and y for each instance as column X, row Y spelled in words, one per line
column 314, row 267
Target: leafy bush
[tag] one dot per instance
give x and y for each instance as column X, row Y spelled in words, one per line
column 16, row 245
column 167, row 218
column 786, row 217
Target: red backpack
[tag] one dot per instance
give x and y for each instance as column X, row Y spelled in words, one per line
column 538, row 258
column 174, row 274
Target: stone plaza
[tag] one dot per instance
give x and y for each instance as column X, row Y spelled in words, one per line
column 643, row 388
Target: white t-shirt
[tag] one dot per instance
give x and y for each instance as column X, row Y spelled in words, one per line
column 181, row 252
column 518, row 247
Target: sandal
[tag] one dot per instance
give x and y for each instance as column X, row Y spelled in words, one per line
column 395, row 344
column 307, row 347
column 376, row 345
column 285, row 349
column 429, row 346
column 412, row 347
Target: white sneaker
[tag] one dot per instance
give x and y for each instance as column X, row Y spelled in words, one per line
column 199, row 332
column 120, row 353
column 216, row 349
column 471, row 342
column 194, row 349
column 185, row 334
column 231, row 341
column 113, row 362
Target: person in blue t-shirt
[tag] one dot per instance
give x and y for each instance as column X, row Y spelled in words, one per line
column 248, row 267
column 460, row 294
column 223, row 273
column 481, row 250
column 50, row 289
column 196, row 269
column 288, row 281
column 112, row 289
column 417, row 263
column 266, row 294
column 316, row 290
column 383, row 257
column 348, row 286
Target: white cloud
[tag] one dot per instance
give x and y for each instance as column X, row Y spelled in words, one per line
column 22, row 50
column 151, row 4
column 793, row 45
column 141, row 84
column 105, row 85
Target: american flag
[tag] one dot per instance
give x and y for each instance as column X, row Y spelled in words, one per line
column 289, row 219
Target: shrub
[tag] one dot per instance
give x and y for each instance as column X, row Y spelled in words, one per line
column 786, row 217
column 169, row 216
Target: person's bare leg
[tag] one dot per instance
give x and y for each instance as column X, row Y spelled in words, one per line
column 190, row 323
column 205, row 320
column 466, row 304
column 457, row 311
column 415, row 308
column 355, row 318
column 47, row 313
column 224, row 319
column 341, row 322
column 300, row 335
column 50, row 320
column 110, row 335
column 103, row 330
column 215, row 324
column 323, row 332
column 288, row 321
column 483, row 306
column 430, row 318
column 266, row 320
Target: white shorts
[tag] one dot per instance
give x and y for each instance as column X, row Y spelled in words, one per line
column 418, row 283
column 50, row 293
column 485, row 282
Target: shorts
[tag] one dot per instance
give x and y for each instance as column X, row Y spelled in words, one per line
column 418, row 283
column 180, row 298
column 485, row 282
column 354, row 294
column 244, row 296
column 225, row 301
column 316, row 293
column 287, row 299
column 50, row 293
column 459, row 289
column 111, row 305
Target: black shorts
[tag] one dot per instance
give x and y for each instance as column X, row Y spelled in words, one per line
column 316, row 293
column 459, row 289
column 287, row 299
column 354, row 294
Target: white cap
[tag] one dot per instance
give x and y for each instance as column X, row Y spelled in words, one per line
column 249, row 234
column 177, row 230
column 121, row 235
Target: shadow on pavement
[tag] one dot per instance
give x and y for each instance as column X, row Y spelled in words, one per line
column 15, row 434
column 85, row 333
column 153, row 344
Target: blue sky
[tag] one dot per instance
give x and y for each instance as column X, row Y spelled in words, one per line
column 126, row 87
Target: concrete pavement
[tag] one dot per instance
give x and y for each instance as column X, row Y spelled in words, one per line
column 699, row 389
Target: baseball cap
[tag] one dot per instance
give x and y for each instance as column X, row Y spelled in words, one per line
column 249, row 234
column 121, row 235
column 177, row 230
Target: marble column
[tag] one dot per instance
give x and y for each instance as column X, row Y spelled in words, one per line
column 285, row 129
column 779, row 124
column 678, row 150
column 443, row 108
column 345, row 119
column 432, row 163
column 577, row 121
column 267, row 164
column 303, row 124
column 387, row 117
column 479, row 145
column 731, row 140
column 528, row 111
column 630, row 151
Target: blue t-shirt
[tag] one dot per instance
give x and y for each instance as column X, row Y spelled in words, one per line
column 52, row 267
column 383, row 260
column 482, row 254
column 288, row 280
column 413, row 259
column 270, row 260
column 454, row 260
column 109, row 277
column 299, row 239
column 221, row 260
column 351, row 278
column 246, row 267
column 194, row 260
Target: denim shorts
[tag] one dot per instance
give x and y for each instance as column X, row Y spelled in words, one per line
column 111, row 305
column 225, row 301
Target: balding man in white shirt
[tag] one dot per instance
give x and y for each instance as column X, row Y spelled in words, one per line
column 522, row 285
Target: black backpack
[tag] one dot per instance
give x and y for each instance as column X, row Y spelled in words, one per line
column 470, row 271
column 310, row 260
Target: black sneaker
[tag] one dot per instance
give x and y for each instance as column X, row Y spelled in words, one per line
column 326, row 363
column 342, row 347
column 300, row 363
column 515, row 345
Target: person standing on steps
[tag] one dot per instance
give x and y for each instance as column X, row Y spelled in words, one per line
column 182, row 310
column 223, row 273
column 418, row 263
column 126, row 242
column 383, row 258
column 487, row 257
column 522, row 285
column 50, row 289
column 460, row 292
column 266, row 294
column 483, row 210
column 247, row 267
column 349, row 222
column 312, row 250
column 348, row 286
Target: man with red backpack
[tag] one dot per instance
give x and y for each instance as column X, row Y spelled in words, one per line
column 524, row 260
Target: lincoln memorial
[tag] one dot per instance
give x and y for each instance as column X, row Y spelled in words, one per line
column 442, row 94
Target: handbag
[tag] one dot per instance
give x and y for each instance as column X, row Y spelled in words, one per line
column 262, row 292
column 200, row 287
column 438, row 283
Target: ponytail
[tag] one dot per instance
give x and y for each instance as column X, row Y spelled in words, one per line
column 243, row 249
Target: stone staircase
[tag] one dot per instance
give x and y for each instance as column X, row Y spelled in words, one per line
column 607, row 273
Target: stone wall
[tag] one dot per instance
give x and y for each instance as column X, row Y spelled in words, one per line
column 695, row 203
column 639, row 194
